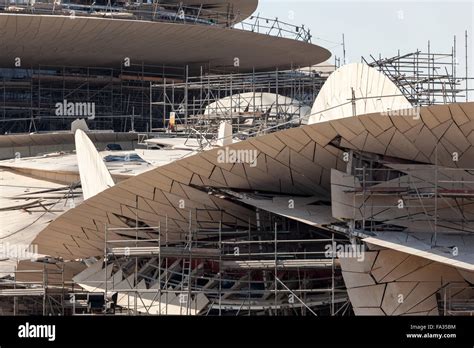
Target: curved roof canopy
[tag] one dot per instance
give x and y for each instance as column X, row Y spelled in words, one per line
column 84, row 41
column 296, row 162
column 356, row 89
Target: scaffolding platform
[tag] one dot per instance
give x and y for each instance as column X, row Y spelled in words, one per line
column 163, row 251
column 280, row 264
column 23, row 292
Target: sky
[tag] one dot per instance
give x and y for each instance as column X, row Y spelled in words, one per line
column 381, row 27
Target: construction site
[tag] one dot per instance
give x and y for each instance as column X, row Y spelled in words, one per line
column 360, row 190
column 212, row 271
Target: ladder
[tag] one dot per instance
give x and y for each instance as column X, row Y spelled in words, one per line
column 184, row 298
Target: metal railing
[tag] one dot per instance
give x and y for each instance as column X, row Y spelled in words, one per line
column 275, row 27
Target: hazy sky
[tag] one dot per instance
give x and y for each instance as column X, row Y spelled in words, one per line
column 373, row 27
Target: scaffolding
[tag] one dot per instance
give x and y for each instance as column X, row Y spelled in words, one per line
column 29, row 97
column 387, row 196
column 251, row 102
column 34, row 291
column 217, row 270
column 438, row 200
column 44, row 290
column 426, row 77
column 143, row 98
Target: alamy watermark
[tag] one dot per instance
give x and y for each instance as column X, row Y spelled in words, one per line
column 78, row 110
column 408, row 111
column 354, row 251
column 226, row 156
column 18, row 251
column 28, row 330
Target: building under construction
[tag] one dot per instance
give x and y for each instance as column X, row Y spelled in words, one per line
column 120, row 83
column 231, row 171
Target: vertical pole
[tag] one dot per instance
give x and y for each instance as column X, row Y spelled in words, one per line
column 332, row 277
column 39, row 91
column 343, row 50
column 15, row 298
column 73, row 303
column 467, row 69
column 151, row 109
column 186, row 98
column 364, row 187
column 276, row 270
column 188, row 299
column 105, row 263
column 128, row 303
column 164, row 103
column 166, row 264
column 133, row 118
column 200, row 91
column 44, row 289
column 173, row 105
column 253, row 100
column 436, row 197
column 353, row 102
column 433, row 75
column 445, row 299
column 136, row 262
column 231, row 99
column 62, row 289
column 416, row 73
column 194, row 110
column 159, row 268
column 277, row 93
column 455, row 58
column 429, row 73
column 220, row 264
column 453, row 71
column 249, row 272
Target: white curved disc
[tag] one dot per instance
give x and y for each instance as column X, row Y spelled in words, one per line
column 356, row 89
